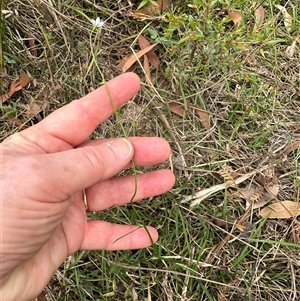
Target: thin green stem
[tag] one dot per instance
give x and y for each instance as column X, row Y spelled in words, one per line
column 94, row 49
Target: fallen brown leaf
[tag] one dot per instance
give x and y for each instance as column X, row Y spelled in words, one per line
column 236, row 17
column 24, row 79
column 151, row 10
column 176, row 108
column 16, row 85
column 152, row 57
column 284, row 209
column 257, row 198
column 291, row 147
column 259, row 17
column 32, row 45
column 204, row 117
column 135, row 56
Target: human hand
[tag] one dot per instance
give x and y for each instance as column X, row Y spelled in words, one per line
column 44, row 170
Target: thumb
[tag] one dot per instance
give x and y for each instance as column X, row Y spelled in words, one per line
column 74, row 170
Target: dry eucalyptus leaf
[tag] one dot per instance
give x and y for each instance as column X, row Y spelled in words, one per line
column 288, row 21
column 16, row 85
column 259, row 17
column 176, row 108
column 198, row 197
column 256, row 205
column 284, row 209
column 151, row 10
column 236, row 17
column 152, row 57
column 204, row 117
column 135, row 56
column 4, row 97
column 291, row 147
column 24, row 79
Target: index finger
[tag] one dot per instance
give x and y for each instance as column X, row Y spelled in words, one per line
column 75, row 122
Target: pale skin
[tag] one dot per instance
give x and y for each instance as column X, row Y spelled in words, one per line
column 44, row 170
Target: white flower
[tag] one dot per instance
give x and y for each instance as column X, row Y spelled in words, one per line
column 97, row 23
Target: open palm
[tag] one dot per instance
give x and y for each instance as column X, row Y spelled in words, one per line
column 44, row 171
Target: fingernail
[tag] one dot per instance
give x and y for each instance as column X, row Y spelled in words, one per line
column 121, row 147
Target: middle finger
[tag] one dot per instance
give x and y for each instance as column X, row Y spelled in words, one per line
column 120, row 190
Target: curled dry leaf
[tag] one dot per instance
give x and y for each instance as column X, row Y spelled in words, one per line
column 135, row 56
column 284, row 209
column 151, row 10
column 16, row 85
column 152, row 57
column 288, row 21
column 236, row 17
column 176, row 108
column 291, row 147
column 258, row 197
column 259, row 17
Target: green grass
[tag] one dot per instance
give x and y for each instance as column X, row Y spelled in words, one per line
column 251, row 91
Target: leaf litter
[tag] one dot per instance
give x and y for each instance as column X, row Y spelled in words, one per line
column 136, row 56
column 178, row 109
column 151, row 55
column 284, row 209
column 151, row 10
column 259, row 17
column 16, row 85
column 236, row 16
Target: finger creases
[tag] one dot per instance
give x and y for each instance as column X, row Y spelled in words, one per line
column 101, row 235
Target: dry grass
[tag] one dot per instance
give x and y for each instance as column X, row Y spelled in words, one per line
column 250, row 89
